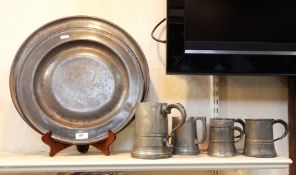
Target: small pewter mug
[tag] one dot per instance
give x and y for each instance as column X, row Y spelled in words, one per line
column 259, row 140
column 151, row 131
column 222, row 139
column 185, row 138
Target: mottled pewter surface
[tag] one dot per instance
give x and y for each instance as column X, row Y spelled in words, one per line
column 80, row 89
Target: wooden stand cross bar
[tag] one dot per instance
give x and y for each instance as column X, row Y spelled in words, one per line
column 56, row 147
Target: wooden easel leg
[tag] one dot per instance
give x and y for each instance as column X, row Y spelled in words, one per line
column 104, row 145
column 54, row 146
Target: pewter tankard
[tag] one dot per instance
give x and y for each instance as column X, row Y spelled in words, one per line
column 259, row 140
column 185, row 138
column 222, row 139
column 151, row 132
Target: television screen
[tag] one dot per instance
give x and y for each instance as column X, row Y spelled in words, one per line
column 232, row 37
column 241, row 20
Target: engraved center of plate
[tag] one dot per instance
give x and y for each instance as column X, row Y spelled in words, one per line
column 82, row 84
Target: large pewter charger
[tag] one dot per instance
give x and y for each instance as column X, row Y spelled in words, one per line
column 78, row 77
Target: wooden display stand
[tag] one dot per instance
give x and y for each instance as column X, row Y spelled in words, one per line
column 56, row 147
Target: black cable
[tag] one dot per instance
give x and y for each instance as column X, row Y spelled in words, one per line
column 152, row 33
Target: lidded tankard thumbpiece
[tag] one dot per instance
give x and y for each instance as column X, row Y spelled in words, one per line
column 151, row 131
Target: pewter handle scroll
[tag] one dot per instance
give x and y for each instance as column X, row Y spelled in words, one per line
column 241, row 135
column 168, row 109
column 286, row 128
column 241, row 122
column 204, row 131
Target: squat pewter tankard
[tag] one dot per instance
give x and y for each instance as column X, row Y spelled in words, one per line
column 151, row 132
column 222, row 139
column 259, row 140
column 185, row 138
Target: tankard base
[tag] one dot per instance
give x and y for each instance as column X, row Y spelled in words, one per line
column 222, row 150
column 260, row 156
column 186, row 150
column 151, row 153
column 219, row 155
column 260, row 150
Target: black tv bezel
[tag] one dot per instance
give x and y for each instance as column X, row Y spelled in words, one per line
column 280, row 56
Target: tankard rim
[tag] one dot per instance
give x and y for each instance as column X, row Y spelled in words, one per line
column 152, row 103
column 221, row 122
column 259, row 119
column 222, row 118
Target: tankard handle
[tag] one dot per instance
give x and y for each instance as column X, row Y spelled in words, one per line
column 241, row 135
column 241, row 122
column 167, row 110
column 286, row 128
column 204, row 128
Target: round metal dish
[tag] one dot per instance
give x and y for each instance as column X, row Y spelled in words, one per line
column 78, row 75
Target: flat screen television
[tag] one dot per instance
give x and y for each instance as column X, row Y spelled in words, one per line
column 254, row 37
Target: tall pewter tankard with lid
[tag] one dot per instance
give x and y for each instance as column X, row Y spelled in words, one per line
column 151, row 131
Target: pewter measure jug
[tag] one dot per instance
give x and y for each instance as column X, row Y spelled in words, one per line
column 185, row 140
column 259, row 140
column 222, row 139
column 151, row 131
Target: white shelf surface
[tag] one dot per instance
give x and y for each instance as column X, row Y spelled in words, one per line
column 65, row 162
